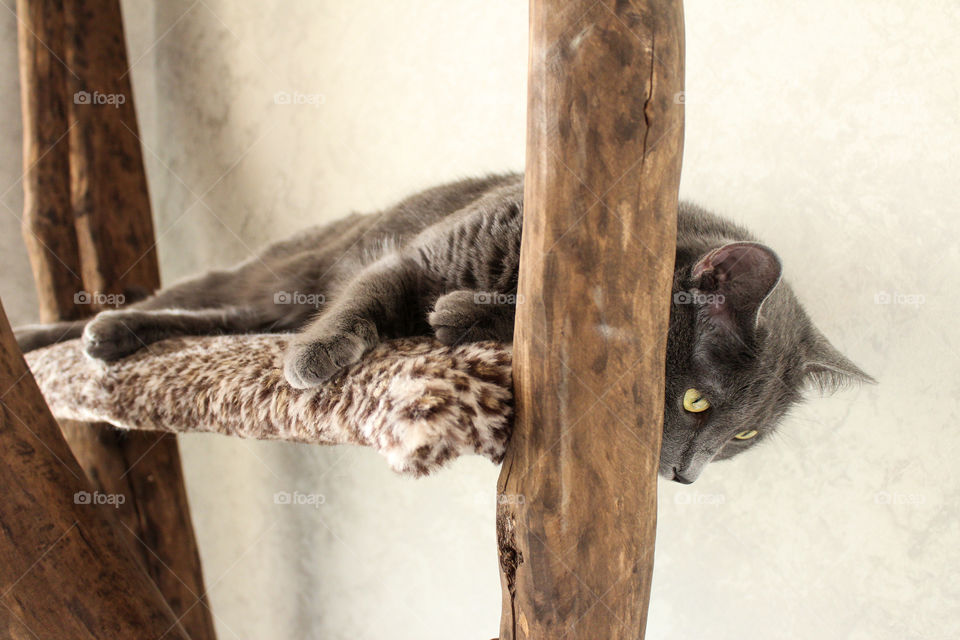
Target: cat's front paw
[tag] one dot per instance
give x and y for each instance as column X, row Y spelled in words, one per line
column 310, row 362
column 467, row 316
column 111, row 335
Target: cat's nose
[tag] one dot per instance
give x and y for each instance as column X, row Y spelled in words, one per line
column 691, row 466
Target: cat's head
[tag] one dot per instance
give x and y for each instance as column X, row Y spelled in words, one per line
column 741, row 351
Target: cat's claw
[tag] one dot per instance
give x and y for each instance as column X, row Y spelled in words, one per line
column 311, row 363
column 109, row 337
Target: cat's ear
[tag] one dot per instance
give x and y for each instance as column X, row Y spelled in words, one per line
column 737, row 278
column 829, row 370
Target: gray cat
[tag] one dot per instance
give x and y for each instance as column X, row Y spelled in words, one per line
column 740, row 350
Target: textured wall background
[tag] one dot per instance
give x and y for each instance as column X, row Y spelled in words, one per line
column 829, row 128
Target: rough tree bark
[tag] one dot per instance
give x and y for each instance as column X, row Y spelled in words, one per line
column 87, row 215
column 576, row 517
column 46, row 162
column 67, row 570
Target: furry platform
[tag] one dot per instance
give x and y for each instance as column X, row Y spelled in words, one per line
column 415, row 400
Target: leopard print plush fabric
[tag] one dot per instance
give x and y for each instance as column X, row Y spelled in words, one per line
column 415, row 400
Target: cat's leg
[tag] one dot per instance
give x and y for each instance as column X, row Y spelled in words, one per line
column 477, row 247
column 35, row 336
column 116, row 333
column 206, row 291
column 472, row 316
column 382, row 300
column 112, row 335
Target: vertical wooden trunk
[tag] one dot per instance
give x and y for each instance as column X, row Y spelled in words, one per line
column 576, row 518
column 54, row 255
column 111, row 203
column 88, row 214
column 66, row 569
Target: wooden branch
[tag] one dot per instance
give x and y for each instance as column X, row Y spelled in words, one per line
column 111, row 202
column 95, row 220
column 576, row 518
column 46, row 180
column 67, row 571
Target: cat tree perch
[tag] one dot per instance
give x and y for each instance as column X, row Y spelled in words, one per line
column 603, row 167
column 416, row 401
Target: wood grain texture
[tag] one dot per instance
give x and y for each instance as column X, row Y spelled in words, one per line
column 93, row 212
column 67, row 569
column 54, row 254
column 576, row 518
column 111, row 202
column 114, row 227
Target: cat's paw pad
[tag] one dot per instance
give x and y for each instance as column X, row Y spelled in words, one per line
column 308, row 364
column 111, row 336
column 461, row 316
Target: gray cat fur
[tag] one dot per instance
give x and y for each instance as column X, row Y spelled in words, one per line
column 445, row 261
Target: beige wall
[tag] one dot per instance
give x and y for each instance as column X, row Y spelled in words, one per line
column 830, row 128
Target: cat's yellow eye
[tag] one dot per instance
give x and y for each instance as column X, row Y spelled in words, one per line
column 745, row 435
column 694, row 402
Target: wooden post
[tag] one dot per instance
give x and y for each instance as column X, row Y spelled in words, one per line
column 576, row 518
column 111, row 202
column 88, row 214
column 66, row 569
column 46, row 163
